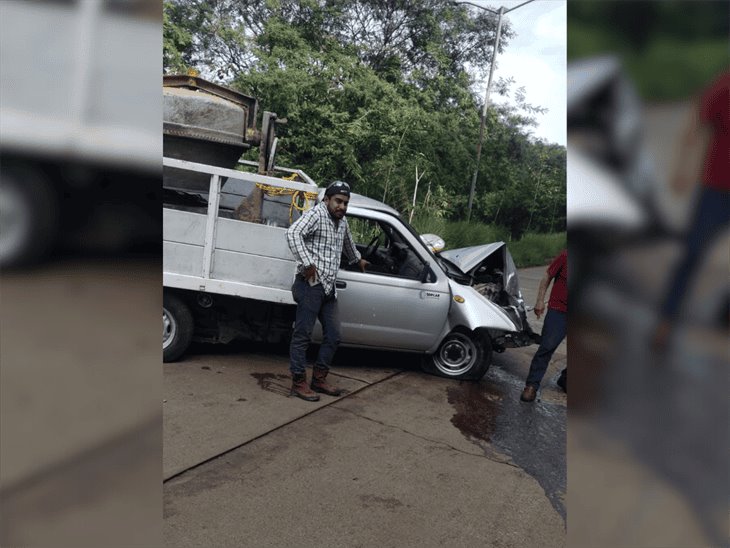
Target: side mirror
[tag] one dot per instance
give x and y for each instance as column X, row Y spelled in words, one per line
column 434, row 242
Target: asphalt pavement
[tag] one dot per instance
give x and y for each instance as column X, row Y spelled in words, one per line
column 401, row 459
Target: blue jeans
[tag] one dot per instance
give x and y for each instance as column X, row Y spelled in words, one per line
column 553, row 332
column 711, row 215
column 312, row 303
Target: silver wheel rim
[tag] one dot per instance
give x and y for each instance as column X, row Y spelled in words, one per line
column 456, row 355
column 169, row 328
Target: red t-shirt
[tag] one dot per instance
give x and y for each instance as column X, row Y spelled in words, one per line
column 558, row 270
column 714, row 107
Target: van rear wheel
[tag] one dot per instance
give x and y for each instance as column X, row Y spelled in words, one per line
column 177, row 327
column 463, row 354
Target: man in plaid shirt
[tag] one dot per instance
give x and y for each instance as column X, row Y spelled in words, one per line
column 317, row 240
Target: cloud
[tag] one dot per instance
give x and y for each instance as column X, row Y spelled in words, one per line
column 552, row 25
column 536, row 59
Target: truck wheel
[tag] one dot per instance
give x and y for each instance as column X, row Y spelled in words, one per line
column 28, row 216
column 462, row 355
column 177, row 327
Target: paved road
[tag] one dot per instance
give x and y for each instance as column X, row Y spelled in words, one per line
column 404, row 458
column 80, row 414
column 640, row 418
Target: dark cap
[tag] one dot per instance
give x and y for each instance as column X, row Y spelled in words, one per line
column 337, row 187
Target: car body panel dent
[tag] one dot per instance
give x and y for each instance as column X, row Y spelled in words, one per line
column 477, row 311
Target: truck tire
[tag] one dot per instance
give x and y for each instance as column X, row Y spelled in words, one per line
column 463, row 354
column 177, row 327
column 28, row 215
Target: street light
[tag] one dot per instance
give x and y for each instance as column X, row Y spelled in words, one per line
column 502, row 11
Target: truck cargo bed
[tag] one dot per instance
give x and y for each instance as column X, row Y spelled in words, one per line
column 207, row 248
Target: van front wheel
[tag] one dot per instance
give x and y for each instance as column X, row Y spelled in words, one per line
column 463, row 354
column 177, row 327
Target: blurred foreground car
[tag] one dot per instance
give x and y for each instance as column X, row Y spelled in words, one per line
column 79, row 126
column 615, row 195
column 658, row 411
column 611, row 182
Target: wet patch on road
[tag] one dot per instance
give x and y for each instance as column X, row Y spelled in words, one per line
column 490, row 414
column 477, row 407
column 277, row 383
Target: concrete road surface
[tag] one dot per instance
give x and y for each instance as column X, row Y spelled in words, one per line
column 402, row 459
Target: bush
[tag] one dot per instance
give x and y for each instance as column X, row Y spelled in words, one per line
column 537, row 249
column 673, row 70
column 532, row 250
column 460, row 233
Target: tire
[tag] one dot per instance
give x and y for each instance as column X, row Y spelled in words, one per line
column 177, row 327
column 463, row 354
column 29, row 216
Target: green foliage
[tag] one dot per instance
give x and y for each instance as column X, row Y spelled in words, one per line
column 532, row 249
column 671, row 49
column 176, row 41
column 460, row 233
column 381, row 94
column 673, row 70
column 537, row 249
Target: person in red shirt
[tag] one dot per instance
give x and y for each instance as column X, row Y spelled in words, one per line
column 554, row 328
column 707, row 138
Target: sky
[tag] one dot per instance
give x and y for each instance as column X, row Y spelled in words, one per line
column 536, row 59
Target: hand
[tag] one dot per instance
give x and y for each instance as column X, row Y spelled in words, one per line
column 539, row 309
column 310, row 272
column 363, row 264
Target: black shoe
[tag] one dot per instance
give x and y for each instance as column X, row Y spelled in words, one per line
column 562, row 381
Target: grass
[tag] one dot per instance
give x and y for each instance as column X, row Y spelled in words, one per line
column 669, row 69
column 537, row 249
column 531, row 250
column 460, row 233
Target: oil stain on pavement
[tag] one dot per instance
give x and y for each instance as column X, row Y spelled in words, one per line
column 490, row 414
column 273, row 382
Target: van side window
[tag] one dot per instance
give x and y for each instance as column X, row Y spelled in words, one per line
column 388, row 253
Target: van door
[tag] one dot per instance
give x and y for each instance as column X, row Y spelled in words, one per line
column 389, row 306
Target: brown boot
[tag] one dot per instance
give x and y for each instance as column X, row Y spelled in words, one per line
column 320, row 384
column 529, row 393
column 300, row 389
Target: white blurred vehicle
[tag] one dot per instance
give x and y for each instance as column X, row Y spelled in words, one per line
column 611, row 181
column 79, row 124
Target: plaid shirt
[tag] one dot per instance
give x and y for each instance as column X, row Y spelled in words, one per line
column 315, row 239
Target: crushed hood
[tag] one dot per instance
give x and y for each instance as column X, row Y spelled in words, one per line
column 467, row 258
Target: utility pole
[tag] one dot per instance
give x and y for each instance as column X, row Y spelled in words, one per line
column 483, row 119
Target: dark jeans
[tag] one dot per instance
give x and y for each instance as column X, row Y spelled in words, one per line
column 553, row 333
column 711, row 215
column 312, row 303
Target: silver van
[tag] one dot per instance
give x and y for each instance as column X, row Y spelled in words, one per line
column 229, row 277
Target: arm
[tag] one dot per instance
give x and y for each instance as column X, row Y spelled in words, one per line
column 302, row 227
column 690, row 151
column 541, row 290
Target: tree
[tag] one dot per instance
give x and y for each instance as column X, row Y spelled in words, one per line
column 371, row 90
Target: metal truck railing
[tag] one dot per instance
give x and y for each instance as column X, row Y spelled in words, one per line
column 204, row 251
